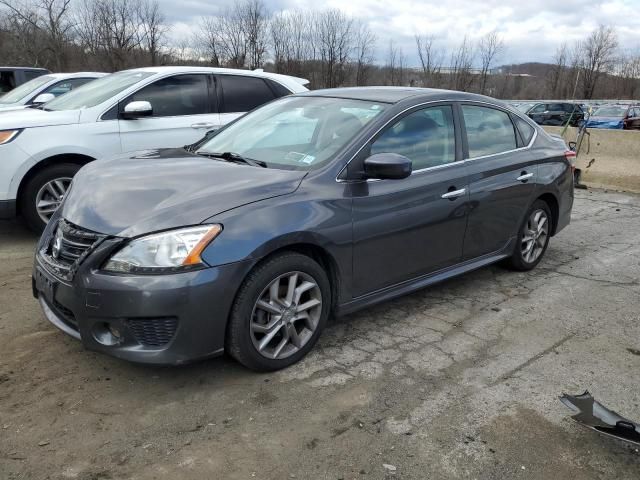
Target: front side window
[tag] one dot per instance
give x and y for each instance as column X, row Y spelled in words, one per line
column 25, row 89
column 100, row 90
column 489, row 131
column 295, row 133
column 426, row 137
column 175, row 96
column 66, row 86
column 243, row 93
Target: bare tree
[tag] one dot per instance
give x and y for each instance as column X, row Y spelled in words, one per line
column 291, row 33
column 395, row 65
column 364, row 46
column 430, row 60
column 208, row 41
column 558, row 71
column 48, row 18
column 597, row 55
column 461, row 63
column 489, row 47
column 153, row 28
column 255, row 20
column 333, row 35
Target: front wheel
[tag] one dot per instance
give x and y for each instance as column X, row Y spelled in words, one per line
column 533, row 238
column 44, row 192
column 279, row 312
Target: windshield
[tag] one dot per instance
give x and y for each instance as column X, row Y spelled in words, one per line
column 25, row 89
column 610, row 112
column 295, row 133
column 97, row 91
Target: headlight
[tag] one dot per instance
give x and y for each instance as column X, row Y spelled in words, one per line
column 7, row 135
column 165, row 252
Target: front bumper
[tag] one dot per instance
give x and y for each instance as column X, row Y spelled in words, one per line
column 160, row 319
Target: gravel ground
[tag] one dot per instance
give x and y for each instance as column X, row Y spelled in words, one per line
column 457, row 381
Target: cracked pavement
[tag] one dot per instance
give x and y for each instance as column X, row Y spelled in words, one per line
column 460, row 380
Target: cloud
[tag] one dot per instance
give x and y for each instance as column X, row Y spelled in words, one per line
column 531, row 30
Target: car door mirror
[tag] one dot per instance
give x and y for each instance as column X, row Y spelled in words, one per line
column 137, row 109
column 387, row 166
column 43, row 98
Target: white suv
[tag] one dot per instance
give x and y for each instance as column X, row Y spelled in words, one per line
column 42, row 149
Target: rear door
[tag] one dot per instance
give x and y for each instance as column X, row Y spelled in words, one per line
column 403, row 229
column 502, row 177
column 634, row 118
column 239, row 94
column 183, row 111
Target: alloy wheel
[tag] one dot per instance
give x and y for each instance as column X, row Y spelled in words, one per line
column 534, row 238
column 50, row 196
column 286, row 315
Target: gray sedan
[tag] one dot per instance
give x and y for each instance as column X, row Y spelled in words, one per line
column 313, row 205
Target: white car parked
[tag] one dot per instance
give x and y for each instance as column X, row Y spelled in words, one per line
column 45, row 88
column 42, row 149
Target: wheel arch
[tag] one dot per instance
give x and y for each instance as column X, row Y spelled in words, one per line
column 77, row 158
column 551, row 200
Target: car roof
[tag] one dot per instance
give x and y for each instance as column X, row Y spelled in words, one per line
column 76, row 75
column 286, row 79
column 399, row 94
column 24, row 68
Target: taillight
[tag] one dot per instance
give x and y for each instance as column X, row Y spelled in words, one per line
column 570, row 155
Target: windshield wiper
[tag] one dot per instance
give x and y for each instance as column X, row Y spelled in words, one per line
column 235, row 158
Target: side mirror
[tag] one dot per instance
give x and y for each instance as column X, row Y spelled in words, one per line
column 137, row 110
column 43, row 98
column 387, row 166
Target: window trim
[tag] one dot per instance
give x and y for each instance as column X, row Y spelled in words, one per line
column 457, row 111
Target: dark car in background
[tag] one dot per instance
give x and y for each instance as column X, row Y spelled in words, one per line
column 315, row 204
column 620, row 117
column 557, row 113
column 11, row 77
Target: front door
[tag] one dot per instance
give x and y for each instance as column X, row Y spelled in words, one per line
column 403, row 229
column 183, row 111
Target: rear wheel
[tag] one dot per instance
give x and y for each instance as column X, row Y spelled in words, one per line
column 279, row 312
column 44, row 192
column 533, row 238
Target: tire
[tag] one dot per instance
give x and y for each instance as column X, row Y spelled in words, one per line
column 243, row 342
column 63, row 173
column 520, row 260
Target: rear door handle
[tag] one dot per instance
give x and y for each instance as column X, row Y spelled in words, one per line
column 452, row 195
column 203, row 125
column 524, row 177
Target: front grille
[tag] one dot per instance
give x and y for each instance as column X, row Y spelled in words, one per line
column 67, row 247
column 153, row 332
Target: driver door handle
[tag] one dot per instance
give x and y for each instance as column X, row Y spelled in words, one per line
column 452, row 195
column 203, row 125
column 524, row 177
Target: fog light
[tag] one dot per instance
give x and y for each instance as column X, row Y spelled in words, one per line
column 107, row 334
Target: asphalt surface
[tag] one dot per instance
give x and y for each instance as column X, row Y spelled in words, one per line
column 460, row 380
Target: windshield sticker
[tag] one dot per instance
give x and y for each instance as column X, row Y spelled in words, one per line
column 300, row 158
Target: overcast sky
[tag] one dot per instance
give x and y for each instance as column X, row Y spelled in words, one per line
column 532, row 29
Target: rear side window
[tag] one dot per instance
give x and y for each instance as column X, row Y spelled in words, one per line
column 31, row 74
column 175, row 96
column 278, row 89
column 525, row 129
column 489, row 131
column 241, row 94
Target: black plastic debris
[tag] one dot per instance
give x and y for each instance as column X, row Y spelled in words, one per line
column 594, row 415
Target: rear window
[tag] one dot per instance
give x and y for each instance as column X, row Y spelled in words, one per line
column 241, row 94
column 525, row 129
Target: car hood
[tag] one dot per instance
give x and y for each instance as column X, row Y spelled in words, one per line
column 163, row 189
column 596, row 119
column 10, row 106
column 34, row 117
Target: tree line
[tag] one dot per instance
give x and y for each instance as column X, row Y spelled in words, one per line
column 328, row 47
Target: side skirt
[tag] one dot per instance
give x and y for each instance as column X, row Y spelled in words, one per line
column 418, row 283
